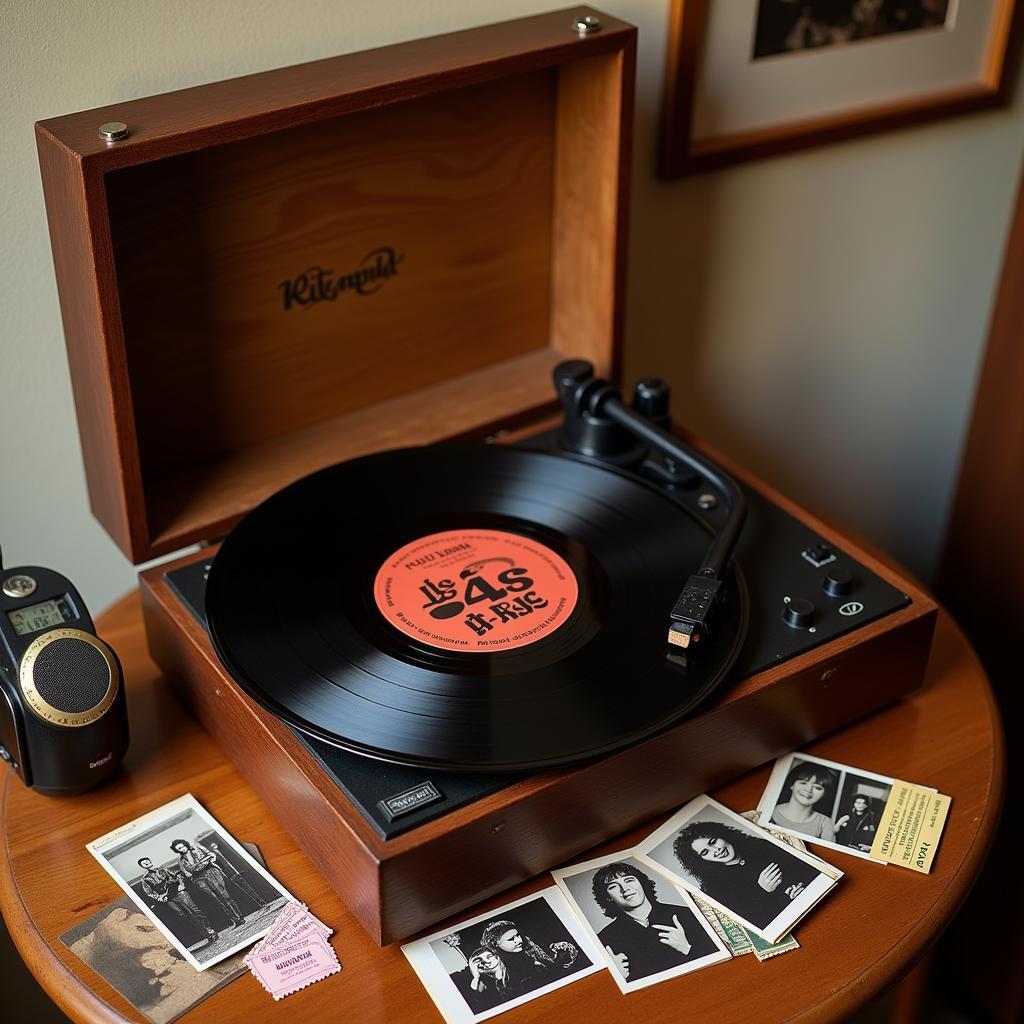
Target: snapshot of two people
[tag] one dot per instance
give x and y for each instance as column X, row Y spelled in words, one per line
column 509, row 963
column 806, row 804
column 198, row 870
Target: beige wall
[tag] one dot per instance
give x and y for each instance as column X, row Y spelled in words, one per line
column 821, row 316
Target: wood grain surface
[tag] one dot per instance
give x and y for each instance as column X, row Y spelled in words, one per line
column 489, row 169
column 860, row 941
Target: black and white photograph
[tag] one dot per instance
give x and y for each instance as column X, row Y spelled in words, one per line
column 648, row 929
column 505, row 958
column 738, row 867
column 825, row 802
column 788, row 26
column 124, row 948
column 198, row 886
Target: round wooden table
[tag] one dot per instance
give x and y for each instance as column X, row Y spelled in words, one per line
column 860, row 941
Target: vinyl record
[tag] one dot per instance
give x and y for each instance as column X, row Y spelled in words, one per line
column 478, row 608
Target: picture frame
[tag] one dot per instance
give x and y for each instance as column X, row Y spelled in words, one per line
column 726, row 103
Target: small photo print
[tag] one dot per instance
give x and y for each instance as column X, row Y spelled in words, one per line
column 738, row 867
column 647, row 929
column 503, row 959
column 124, row 948
column 200, row 888
column 825, row 802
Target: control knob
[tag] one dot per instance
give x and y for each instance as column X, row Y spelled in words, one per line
column 837, row 583
column 798, row 613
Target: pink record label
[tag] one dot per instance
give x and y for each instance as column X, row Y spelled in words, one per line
column 476, row 590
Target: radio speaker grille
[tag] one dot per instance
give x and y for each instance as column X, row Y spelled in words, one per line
column 71, row 675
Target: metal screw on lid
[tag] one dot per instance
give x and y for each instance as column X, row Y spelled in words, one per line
column 113, row 131
column 587, row 25
column 707, row 502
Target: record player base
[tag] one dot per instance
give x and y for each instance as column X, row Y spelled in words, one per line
column 402, row 885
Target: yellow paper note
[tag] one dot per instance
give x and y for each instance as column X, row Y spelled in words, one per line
column 911, row 827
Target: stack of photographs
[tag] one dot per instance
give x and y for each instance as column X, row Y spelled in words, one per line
column 634, row 913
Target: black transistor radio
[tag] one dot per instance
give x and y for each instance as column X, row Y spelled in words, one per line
column 63, row 721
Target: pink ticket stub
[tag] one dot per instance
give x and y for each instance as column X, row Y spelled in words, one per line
column 295, row 965
column 292, row 923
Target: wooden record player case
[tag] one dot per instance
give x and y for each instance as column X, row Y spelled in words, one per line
column 269, row 275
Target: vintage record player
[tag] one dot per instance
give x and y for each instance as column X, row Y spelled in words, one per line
column 444, row 668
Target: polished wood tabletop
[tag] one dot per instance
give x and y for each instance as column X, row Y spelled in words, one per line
column 860, row 941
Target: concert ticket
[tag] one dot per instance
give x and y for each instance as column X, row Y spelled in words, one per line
column 286, row 969
column 295, row 953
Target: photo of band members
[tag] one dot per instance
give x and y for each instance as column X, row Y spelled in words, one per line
column 199, row 891
column 197, row 884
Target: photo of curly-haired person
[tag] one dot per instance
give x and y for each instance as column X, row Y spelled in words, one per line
column 738, row 867
column 648, row 928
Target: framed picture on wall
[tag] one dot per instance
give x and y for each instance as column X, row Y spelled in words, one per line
column 751, row 78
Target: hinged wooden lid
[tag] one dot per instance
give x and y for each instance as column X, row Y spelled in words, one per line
column 274, row 273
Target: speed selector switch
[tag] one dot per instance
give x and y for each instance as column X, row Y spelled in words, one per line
column 798, row 613
column 837, row 583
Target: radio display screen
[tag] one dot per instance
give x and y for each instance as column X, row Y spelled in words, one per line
column 44, row 615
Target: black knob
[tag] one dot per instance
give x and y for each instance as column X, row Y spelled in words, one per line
column 837, row 583
column 570, row 375
column 651, row 397
column 798, row 613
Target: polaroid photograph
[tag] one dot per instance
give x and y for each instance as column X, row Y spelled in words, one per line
column 737, row 867
column 124, row 948
column 647, row 929
column 826, row 803
column 200, row 888
column 496, row 961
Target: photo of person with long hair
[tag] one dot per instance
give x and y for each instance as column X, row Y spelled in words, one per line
column 489, row 982
column 729, row 863
column 738, row 867
column 649, row 929
column 199, row 867
column 502, row 959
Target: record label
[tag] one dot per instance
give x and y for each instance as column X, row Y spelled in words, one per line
column 478, row 591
